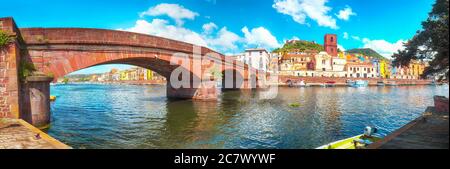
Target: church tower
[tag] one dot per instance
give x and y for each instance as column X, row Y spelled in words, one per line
column 330, row 44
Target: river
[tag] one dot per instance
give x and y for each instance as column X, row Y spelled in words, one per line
column 133, row 116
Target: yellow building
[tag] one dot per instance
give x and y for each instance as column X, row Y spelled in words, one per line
column 384, row 69
column 123, row 75
column 416, row 68
column 149, row 74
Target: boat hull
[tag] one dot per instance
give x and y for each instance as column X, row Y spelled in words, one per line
column 348, row 143
column 359, row 83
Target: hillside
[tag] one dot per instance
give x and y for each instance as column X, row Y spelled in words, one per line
column 299, row 45
column 367, row 52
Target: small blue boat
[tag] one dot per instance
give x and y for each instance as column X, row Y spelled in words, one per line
column 358, row 83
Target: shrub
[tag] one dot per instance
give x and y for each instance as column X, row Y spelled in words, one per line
column 5, row 39
column 26, row 69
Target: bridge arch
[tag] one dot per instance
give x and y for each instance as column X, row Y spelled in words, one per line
column 60, row 51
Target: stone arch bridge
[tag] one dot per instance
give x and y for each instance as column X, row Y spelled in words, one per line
column 60, row 51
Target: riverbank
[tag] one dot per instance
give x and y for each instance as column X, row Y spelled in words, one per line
column 289, row 80
column 125, row 82
column 18, row 134
column 340, row 81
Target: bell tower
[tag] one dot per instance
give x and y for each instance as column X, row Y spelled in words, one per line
column 330, row 44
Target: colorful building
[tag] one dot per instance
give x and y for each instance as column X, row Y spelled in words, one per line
column 414, row 70
column 297, row 63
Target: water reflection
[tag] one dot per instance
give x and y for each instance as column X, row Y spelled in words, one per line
column 127, row 116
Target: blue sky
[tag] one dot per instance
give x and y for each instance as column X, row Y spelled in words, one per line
column 230, row 26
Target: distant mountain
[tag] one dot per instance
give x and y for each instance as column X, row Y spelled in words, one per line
column 367, row 52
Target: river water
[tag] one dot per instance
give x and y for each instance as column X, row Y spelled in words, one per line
column 131, row 116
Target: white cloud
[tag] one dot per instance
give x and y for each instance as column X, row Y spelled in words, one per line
column 225, row 40
column 345, row 35
column 356, row 38
column 175, row 11
column 222, row 40
column 301, row 9
column 345, row 13
column 162, row 28
column 260, row 36
column 340, row 47
column 209, row 27
column 383, row 47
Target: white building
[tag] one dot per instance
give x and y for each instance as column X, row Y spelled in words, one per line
column 323, row 62
column 256, row 58
column 361, row 70
column 338, row 64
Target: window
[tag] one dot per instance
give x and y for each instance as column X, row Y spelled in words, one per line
column 323, row 61
column 332, row 39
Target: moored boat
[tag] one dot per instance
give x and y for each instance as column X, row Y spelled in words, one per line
column 391, row 83
column 329, row 84
column 52, row 98
column 358, row 83
column 302, row 84
column 355, row 142
column 380, row 83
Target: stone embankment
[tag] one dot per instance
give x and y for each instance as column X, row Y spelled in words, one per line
column 18, row 134
column 284, row 80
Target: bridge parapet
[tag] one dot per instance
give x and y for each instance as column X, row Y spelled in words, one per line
column 88, row 36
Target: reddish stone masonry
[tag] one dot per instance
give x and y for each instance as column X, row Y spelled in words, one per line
column 60, row 51
column 9, row 84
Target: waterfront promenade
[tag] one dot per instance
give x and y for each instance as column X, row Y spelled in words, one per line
column 429, row 131
column 341, row 81
column 18, row 134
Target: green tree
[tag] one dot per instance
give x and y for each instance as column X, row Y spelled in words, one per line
column 65, row 80
column 300, row 45
column 429, row 43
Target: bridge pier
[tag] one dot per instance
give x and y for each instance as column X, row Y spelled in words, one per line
column 206, row 92
column 36, row 100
